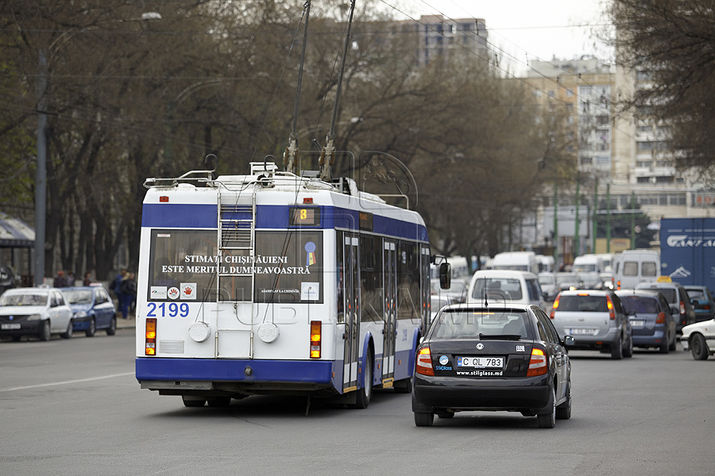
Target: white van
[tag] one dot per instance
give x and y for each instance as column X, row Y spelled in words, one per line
column 500, row 286
column 516, row 261
column 632, row 267
column 546, row 263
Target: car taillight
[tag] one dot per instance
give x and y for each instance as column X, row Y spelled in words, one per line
column 707, row 307
column 618, row 284
column 611, row 311
column 555, row 306
column 682, row 308
column 315, row 339
column 150, row 336
column 537, row 363
column 424, row 362
column 660, row 319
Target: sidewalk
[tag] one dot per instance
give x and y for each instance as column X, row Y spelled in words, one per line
column 128, row 323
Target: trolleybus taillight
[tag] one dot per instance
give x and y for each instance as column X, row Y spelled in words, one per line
column 315, row 339
column 150, row 341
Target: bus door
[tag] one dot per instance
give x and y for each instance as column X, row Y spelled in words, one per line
column 390, row 329
column 352, row 311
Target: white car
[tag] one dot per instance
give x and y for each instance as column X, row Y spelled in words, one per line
column 38, row 312
column 505, row 286
column 700, row 339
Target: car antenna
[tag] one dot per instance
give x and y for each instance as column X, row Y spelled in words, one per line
column 291, row 152
column 327, row 155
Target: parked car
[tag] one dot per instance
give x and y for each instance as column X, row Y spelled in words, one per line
column 700, row 339
column 702, row 302
column 7, row 279
column 92, row 309
column 652, row 323
column 677, row 297
column 495, row 358
column 37, row 312
column 505, row 286
column 596, row 320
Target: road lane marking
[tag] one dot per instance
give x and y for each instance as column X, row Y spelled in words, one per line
column 65, row 382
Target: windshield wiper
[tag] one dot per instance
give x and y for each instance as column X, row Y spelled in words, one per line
column 499, row 336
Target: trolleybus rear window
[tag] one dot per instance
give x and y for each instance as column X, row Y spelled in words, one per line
column 287, row 267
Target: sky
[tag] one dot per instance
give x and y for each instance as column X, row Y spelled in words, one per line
column 527, row 30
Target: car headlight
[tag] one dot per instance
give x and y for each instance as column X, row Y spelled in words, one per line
column 34, row 317
column 80, row 314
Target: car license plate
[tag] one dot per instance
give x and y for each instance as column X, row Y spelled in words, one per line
column 10, row 326
column 637, row 324
column 481, row 362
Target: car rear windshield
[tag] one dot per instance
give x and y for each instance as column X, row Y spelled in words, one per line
column 23, row 299
column 669, row 293
column 695, row 292
column 79, row 296
column 583, row 303
column 498, row 288
column 639, row 304
column 468, row 324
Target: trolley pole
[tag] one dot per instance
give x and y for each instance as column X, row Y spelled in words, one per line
column 576, row 237
column 556, row 225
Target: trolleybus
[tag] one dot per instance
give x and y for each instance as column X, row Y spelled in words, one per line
column 273, row 282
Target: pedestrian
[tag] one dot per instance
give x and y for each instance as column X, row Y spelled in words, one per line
column 70, row 279
column 128, row 293
column 60, row 280
column 116, row 285
column 87, row 281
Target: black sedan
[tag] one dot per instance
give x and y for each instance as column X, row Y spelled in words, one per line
column 495, row 358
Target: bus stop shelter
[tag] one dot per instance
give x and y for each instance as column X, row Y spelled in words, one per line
column 17, row 240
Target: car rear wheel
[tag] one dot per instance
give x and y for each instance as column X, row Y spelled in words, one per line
column 548, row 418
column 628, row 351
column 664, row 347
column 699, row 347
column 112, row 329
column 68, row 333
column 193, row 402
column 617, row 349
column 424, row 419
column 91, row 329
column 563, row 411
column 45, row 333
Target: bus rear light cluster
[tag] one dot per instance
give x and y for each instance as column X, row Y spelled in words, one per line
column 150, row 336
column 424, row 362
column 315, row 339
column 537, row 363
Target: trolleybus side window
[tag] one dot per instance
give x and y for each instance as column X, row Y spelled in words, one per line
column 371, row 290
column 340, row 275
column 408, row 281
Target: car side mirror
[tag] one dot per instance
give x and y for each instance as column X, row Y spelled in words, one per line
column 445, row 276
column 568, row 341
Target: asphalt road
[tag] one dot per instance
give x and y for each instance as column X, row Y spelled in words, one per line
column 74, row 407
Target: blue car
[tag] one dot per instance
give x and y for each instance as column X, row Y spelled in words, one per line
column 702, row 302
column 92, row 310
column 652, row 323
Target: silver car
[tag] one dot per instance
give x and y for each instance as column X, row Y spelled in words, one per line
column 595, row 319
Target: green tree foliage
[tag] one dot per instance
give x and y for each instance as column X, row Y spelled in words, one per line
column 673, row 41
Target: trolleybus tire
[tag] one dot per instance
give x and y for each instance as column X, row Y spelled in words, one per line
column 218, row 402
column 193, row 402
column 365, row 393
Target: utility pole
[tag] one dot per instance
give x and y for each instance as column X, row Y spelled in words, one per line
column 576, row 237
column 41, row 174
column 556, row 225
column 595, row 216
column 608, row 217
column 633, row 220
